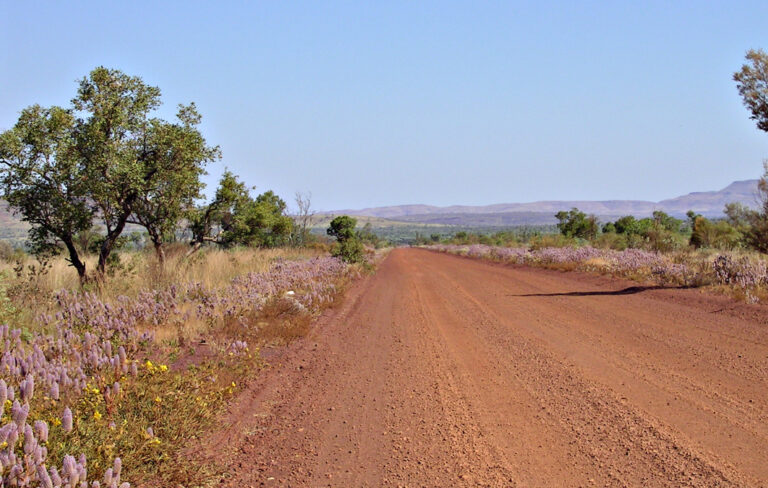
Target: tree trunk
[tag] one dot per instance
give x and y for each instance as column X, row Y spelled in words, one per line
column 108, row 246
column 74, row 259
column 159, row 251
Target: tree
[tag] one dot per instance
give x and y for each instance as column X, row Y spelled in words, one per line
column 44, row 181
column 664, row 221
column 233, row 218
column 180, row 154
column 576, row 223
column 304, row 216
column 270, row 225
column 113, row 142
column 104, row 158
column 738, row 215
column 752, row 83
column 348, row 246
column 718, row 235
column 216, row 222
column 342, row 228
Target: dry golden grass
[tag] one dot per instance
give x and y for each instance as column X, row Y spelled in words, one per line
column 140, row 270
column 26, row 294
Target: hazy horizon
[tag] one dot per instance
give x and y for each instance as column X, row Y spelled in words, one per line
column 368, row 105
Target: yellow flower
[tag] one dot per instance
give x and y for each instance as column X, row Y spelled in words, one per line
column 56, row 421
column 95, row 391
column 155, row 440
column 233, row 384
column 163, row 368
column 96, row 415
column 8, row 404
column 157, row 399
column 3, row 445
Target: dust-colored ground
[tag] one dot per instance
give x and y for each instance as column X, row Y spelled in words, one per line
column 445, row 371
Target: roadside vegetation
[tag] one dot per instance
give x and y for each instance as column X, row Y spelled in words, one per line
column 135, row 309
column 727, row 253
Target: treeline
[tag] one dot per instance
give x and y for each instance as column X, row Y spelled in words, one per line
column 740, row 228
column 80, row 174
column 525, row 234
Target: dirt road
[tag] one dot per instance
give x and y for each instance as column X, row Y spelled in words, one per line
column 445, row 371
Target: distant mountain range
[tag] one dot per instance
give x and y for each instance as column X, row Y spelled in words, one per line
column 708, row 203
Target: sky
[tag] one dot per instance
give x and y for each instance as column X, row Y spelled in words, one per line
column 383, row 103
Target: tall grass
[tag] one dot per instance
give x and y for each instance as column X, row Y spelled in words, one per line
column 142, row 364
column 742, row 274
column 31, row 286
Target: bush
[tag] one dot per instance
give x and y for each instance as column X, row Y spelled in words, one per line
column 663, row 240
column 350, row 250
column 611, row 240
column 8, row 253
column 348, row 245
column 576, row 223
column 550, row 240
column 718, row 235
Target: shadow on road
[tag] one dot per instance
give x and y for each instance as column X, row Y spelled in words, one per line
column 626, row 291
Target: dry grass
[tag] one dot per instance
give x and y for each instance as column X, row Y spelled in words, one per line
column 31, row 288
column 183, row 401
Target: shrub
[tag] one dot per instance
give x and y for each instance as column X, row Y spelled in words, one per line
column 611, row 240
column 348, row 246
column 718, row 235
column 8, row 253
column 350, row 250
column 550, row 240
column 576, row 223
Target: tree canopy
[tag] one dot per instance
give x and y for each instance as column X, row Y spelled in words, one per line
column 104, row 158
column 752, row 83
column 576, row 223
column 234, row 218
column 43, row 179
column 348, row 245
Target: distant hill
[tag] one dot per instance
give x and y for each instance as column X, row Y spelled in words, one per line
column 428, row 218
column 710, row 203
column 11, row 227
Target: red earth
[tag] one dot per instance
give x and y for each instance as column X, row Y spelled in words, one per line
column 445, row 371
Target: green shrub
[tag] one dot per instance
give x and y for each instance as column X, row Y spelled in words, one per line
column 350, row 250
column 348, row 246
column 551, row 240
column 576, row 223
column 611, row 240
column 717, row 235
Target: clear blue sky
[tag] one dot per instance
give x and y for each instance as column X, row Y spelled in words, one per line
column 379, row 103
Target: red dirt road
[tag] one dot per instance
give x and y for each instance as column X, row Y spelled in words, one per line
column 445, row 371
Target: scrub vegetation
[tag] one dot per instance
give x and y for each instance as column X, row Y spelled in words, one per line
column 135, row 310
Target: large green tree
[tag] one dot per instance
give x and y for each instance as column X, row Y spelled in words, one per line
column 234, row 218
column 752, row 83
column 179, row 155
column 105, row 158
column 44, row 181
